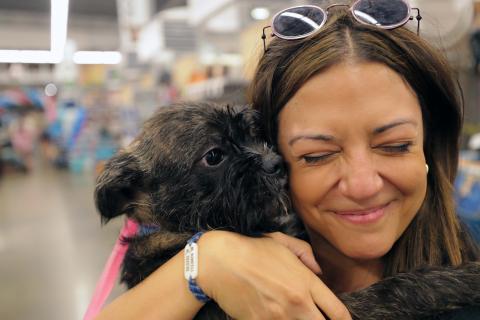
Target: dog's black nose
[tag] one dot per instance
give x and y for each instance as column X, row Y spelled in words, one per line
column 272, row 164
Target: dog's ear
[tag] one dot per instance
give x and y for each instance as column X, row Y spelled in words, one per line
column 118, row 185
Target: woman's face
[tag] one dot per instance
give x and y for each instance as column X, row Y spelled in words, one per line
column 353, row 140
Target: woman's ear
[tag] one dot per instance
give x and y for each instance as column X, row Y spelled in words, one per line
column 118, row 185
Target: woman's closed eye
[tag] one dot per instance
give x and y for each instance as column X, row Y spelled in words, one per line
column 317, row 158
column 391, row 148
column 402, row 147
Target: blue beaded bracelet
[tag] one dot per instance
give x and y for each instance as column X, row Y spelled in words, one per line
column 191, row 268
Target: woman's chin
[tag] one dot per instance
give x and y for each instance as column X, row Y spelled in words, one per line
column 370, row 252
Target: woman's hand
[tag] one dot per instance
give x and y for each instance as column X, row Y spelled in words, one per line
column 265, row 278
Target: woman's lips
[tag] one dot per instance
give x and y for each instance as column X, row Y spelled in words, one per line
column 363, row 216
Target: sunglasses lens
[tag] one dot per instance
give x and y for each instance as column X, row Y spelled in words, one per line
column 297, row 22
column 382, row 13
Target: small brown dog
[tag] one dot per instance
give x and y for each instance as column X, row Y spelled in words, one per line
column 197, row 167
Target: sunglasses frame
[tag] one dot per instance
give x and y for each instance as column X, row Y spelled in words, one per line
column 407, row 18
column 303, row 35
column 393, row 26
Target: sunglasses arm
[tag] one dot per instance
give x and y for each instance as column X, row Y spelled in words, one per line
column 264, row 38
column 418, row 17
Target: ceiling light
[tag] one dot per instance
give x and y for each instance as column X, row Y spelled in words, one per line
column 58, row 27
column 97, row 57
column 58, row 37
column 50, row 90
column 27, row 56
column 260, row 13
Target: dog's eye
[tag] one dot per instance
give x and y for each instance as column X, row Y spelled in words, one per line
column 213, row 157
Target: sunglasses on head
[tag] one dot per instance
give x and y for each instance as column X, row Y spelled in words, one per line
column 301, row 21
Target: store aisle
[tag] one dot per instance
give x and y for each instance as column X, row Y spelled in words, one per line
column 52, row 246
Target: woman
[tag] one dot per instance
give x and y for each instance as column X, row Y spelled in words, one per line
column 368, row 121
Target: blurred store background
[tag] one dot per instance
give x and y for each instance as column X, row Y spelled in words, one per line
column 77, row 79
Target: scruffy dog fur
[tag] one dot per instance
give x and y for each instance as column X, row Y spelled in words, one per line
column 201, row 166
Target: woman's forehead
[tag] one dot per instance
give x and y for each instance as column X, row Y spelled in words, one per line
column 347, row 94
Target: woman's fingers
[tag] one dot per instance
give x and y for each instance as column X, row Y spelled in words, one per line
column 328, row 302
column 300, row 248
column 314, row 314
column 263, row 278
column 322, row 296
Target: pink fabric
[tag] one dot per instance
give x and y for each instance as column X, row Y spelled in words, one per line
column 110, row 271
column 22, row 140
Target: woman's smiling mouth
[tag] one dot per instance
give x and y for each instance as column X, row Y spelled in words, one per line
column 363, row 216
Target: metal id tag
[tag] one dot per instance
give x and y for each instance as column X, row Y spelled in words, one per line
column 191, row 261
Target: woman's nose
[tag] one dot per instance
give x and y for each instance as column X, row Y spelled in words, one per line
column 360, row 179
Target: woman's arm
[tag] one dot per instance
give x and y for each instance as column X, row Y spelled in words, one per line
column 250, row 278
column 163, row 295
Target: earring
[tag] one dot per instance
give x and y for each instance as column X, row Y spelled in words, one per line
column 426, row 166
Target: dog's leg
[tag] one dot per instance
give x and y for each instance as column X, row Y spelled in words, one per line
column 417, row 295
column 147, row 253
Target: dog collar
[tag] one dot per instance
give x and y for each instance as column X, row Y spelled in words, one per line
column 147, row 229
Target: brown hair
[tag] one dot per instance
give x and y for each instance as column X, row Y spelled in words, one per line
column 435, row 236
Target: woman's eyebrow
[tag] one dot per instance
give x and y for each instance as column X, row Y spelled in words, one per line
column 321, row 137
column 394, row 124
column 328, row 138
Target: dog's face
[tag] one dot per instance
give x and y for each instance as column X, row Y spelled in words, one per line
column 197, row 167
